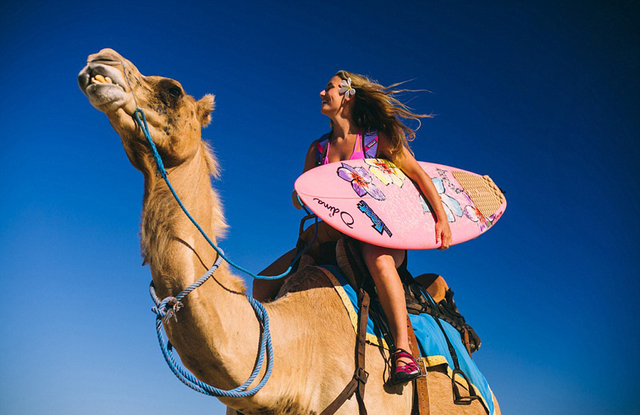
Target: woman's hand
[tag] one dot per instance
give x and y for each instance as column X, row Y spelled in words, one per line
column 443, row 234
column 413, row 170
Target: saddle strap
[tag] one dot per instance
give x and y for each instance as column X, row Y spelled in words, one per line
column 421, row 388
column 360, row 376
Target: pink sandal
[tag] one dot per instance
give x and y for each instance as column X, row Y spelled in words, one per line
column 407, row 372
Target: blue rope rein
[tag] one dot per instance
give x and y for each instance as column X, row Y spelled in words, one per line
column 140, row 118
column 168, row 307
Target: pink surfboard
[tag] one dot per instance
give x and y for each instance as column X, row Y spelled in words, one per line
column 374, row 201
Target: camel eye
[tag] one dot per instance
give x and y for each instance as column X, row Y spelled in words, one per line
column 175, row 92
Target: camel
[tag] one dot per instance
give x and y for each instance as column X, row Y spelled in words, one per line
column 216, row 333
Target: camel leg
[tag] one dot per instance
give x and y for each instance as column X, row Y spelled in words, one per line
column 266, row 290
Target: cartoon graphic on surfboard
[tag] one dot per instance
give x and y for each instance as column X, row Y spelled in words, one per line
column 374, row 201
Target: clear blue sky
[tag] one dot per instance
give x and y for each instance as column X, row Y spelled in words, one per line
column 541, row 95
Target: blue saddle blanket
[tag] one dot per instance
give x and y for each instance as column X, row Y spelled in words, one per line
column 431, row 340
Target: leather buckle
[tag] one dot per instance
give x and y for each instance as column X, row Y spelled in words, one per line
column 361, row 375
column 422, row 366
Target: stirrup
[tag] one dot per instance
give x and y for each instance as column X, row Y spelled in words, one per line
column 458, row 399
column 408, row 371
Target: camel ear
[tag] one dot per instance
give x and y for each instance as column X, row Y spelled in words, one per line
column 205, row 108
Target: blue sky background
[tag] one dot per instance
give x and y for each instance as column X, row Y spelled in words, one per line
column 541, row 95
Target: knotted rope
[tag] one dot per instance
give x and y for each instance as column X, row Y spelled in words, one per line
column 167, row 308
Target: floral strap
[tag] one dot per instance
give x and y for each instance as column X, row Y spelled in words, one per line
column 321, row 149
column 370, row 144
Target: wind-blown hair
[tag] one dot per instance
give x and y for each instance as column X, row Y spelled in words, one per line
column 375, row 107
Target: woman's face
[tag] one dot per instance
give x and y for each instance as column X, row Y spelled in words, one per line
column 332, row 100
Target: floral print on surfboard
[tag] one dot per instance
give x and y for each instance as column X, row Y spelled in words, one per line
column 361, row 181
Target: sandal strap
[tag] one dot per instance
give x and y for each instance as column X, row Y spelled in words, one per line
column 408, row 368
column 403, row 353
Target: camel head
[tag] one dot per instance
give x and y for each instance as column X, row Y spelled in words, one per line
column 116, row 87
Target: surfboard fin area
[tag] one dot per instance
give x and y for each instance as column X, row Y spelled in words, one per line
column 373, row 201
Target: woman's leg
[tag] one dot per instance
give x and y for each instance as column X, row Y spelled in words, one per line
column 382, row 264
column 266, row 290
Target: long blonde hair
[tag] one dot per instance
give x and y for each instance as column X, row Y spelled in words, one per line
column 376, row 108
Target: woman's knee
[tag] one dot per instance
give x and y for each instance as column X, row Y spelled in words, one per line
column 266, row 290
column 382, row 258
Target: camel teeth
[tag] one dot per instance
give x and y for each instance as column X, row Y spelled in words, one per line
column 101, row 79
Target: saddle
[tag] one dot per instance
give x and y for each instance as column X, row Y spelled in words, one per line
column 428, row 293
column 345, row 253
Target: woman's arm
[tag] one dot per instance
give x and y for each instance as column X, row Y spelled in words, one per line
column 309, row 163
column 413, row 170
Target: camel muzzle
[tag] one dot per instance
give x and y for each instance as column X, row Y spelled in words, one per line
column 103, row 84
column 93, row 70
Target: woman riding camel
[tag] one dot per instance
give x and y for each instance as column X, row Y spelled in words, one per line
column 364, row 116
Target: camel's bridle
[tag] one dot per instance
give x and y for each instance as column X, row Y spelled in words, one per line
column 168, row 307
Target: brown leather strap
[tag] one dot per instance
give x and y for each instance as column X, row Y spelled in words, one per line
column 346, row 393
column 465, row 341
column 361, row 345
column 421, row 394
column 360, row 376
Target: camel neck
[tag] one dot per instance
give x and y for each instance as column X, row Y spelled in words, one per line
column 178, row 255
column 171, row 244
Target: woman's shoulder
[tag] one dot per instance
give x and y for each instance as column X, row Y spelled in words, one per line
column 323, row 137
column 316, row 151
column 319, row 143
